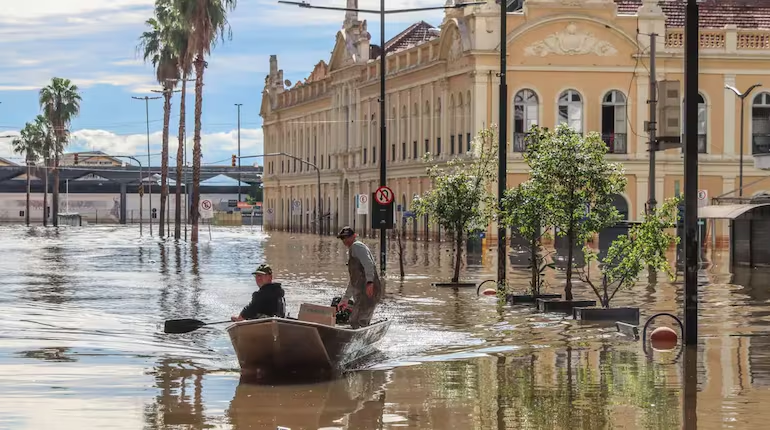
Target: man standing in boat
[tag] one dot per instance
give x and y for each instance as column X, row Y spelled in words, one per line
column 267, row 301
column 365, row 287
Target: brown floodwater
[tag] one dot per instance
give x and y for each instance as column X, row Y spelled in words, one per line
column 81, row 345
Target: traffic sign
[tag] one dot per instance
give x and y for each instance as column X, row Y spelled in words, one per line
column 383, row 195
column 270, row 211
column 206, row 209
column 703, row 196
column 362, row 204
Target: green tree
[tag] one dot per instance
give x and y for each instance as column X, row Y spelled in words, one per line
column 579, row 185
column 645, row 245
column 60, row 102
column 460, row 200
column 30, row 144
column 524, row 211
column 206, row 22
column 160, row 46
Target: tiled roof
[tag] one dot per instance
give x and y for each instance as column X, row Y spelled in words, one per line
column 712, row 13
column 414, row 34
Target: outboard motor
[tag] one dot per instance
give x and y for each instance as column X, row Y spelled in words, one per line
column 343, row 316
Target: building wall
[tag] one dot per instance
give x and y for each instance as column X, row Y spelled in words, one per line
column 446, row 88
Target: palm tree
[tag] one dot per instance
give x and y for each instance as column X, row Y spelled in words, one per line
column 60, row 102
column 159, row 46
column 206, row 21
column 28, row 143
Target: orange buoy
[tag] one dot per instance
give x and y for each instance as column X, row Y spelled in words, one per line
column 663, row 339
column 489, row 292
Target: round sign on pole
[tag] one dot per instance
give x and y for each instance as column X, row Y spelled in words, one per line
column 270, row 210
column 206, row 205
column 701, row 194
column 363, row 199
column 383, row 195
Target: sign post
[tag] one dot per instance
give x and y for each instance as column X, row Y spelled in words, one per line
column 362, row 204
column 382, row 218
column 206, row 209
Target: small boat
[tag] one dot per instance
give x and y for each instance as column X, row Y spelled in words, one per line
column 289, row 345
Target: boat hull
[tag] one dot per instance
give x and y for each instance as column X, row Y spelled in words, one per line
column 282, row 345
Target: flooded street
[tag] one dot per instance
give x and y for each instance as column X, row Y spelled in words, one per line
column 82, row 347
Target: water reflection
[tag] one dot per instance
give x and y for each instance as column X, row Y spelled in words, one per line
column 81, row 316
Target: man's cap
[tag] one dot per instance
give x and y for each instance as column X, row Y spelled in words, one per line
column 345, row 232
column 263, row 269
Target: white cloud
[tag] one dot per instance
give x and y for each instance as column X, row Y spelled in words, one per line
column 214, row 146
column 30, row 9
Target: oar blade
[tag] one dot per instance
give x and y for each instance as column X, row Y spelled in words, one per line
column 185, row 325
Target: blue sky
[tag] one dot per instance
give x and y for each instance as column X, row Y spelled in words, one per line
column 93, row 43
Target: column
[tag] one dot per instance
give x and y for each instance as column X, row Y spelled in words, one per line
column 478, row 103
column 642, row 114
column 730, row 126
column 641, row 197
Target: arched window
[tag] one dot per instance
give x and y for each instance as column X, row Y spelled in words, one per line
column 614, row 122
column 571, row 110
column 453, row 120
column 437, row 126
column 702, row 124
column 426, row 125
column 760, row 124
column 525, row 115
column 459, row 122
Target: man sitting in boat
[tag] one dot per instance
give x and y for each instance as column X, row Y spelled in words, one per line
column 365, row 287
column 267, row 301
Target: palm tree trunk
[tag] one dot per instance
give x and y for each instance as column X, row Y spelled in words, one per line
column 180, row 163
column 47, row 162
column 26, row 209
column 164, row 161
column 55, row 205
column 197, row 146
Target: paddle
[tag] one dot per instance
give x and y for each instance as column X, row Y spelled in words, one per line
column 186, row 325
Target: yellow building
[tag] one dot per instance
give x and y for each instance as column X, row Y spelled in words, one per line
column 583, row 62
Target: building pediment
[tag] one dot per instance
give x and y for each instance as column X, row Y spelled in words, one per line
column 571, row 41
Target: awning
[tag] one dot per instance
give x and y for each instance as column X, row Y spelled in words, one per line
column 727, row 211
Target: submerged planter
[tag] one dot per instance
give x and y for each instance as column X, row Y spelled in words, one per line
column 566, row 306
column 454, row 284
column 626, row 315
column 529, row 298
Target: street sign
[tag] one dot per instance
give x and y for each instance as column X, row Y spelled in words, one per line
column 206, row 209
column 703, row 196
column 296, row 207
column 362, row 204
column 383, row 195
column 232, row 203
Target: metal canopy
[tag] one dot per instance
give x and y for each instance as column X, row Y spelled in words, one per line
column 727, row 211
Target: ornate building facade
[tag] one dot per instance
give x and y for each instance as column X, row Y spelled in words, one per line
column 581, row 62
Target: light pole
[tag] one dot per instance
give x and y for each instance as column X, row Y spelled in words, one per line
column 149, row 163
column 318, row 173
column 141, row 187
column 383, row 129
column 239, row 149
column 742, row 97
column 502, row 139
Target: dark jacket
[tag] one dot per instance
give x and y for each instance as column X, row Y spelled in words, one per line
column 267, row 301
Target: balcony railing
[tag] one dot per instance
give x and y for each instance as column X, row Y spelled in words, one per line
column 728, row 40
column 520, row 142
column 760, row 143
column 616, row 143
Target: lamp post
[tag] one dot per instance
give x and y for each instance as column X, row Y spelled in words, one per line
column 141, row 187
column 239, row 149
column 502, row 139
column 318, row 173
column 742, row 97
column 383, row 129
column 149, row 163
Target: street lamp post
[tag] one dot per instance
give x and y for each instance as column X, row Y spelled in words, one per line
column 383, row 129
column 502, row 139
column 149, row 163
column 239, row 150
column 742, row 97
column 318, row 173
column 141, row 187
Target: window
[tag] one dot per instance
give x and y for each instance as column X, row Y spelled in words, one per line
column 614, row 122
column 525, row 115
column 438, row 146
column 374, row 154
column 427, row 146
column 393, row 152
column 459, row 143
column 365, row 159
column 760, row 124
column 414, row 150
column 452, row 144
column 403, row 150
column 571, row 110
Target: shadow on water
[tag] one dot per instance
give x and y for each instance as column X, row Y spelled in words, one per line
column 82, row 311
